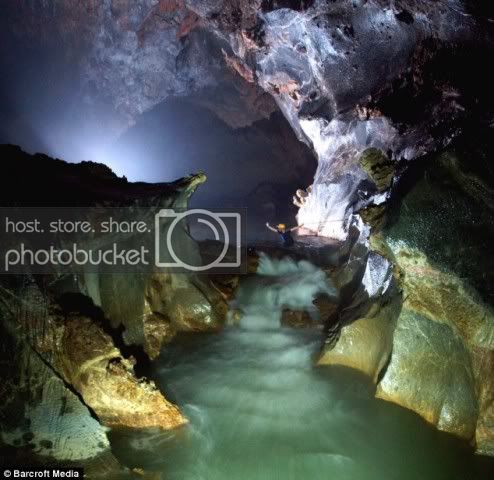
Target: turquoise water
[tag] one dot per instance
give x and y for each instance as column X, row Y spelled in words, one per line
column 259, row 410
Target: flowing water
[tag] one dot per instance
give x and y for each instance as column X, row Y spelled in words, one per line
column 260, row 410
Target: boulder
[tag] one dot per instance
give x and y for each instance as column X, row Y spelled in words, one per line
column 89, row 361
column 83, row 355
column 431, row 373
column 367, row 342
column 378, row 167
column 442, row 348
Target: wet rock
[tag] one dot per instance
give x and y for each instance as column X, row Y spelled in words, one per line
column 374, row 216
column 437, row 238
column 90, row 362
column 428, row 341
column 367, row 342
column 325, row 313
column 41, row 414
column 296, row 319
column 377, row 277
column 430, row 372
column 153, row 308
column 359, row 333
column 79, row 351
column 158, row 331
column 327, row 308
column 444, row 297
column 442, row 208
column 227, row 284
column 378, row 166
column 184, row 303
column 483, row 365
column 443, row 341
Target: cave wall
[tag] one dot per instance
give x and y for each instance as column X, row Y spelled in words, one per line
column 347, row 75
column 352, row 75
column 40, row 413
column 428, row 344
column 72, row 340
column 440, row 230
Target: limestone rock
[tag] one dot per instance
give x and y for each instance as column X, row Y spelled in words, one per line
column 90, row 362
column 374, row 215
column 443, row 211
column 82, row 354
column 378, row 166
column 428, row 344
column 152, row 308
column 483, row 365
column 40, row 413
column 438, row 237
column 366, row 343
column 184, row 303
column 444, row 298
column 442, row 351
column 158, row 331
column 327, row 309
column 431, row 373
column 171, row 302
column 296, row 319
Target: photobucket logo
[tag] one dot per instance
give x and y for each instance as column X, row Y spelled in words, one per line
column 75, row 255
column 132, row 240
column 214, row 222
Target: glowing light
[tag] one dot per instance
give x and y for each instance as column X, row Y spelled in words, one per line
column 325, row 210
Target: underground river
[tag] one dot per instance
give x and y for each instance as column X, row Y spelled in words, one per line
column 260, row 410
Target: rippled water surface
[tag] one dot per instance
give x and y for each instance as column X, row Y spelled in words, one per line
column 258, row 409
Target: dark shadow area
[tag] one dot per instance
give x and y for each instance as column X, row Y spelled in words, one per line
column 437, row 71
column 299, row 5
column 72, row 302
column 257, row 167
column 242, row 164
column 54, row 183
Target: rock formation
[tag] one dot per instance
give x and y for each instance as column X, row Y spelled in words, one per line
column 375, row 88
column 372, row 86
column 72, row 335
column 429, row 345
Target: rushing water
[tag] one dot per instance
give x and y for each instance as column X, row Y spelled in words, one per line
column 259, row 410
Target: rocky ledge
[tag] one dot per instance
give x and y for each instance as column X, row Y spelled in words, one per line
column 75, row 341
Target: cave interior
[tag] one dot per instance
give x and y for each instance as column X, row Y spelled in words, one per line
column 344, row 148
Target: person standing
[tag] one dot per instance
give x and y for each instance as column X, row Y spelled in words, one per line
column 284, row 233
